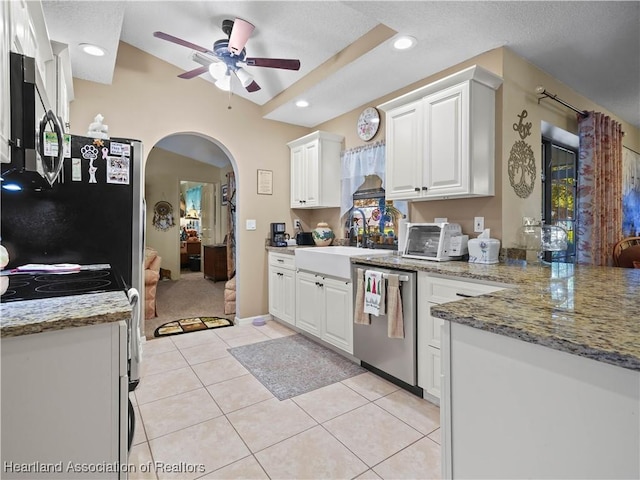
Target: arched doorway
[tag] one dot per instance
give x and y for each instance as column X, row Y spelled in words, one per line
column 181, row 162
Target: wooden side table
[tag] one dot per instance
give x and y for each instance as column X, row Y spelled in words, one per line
column 215, row 262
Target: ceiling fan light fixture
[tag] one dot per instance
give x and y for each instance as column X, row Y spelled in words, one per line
column 218, row 70
column 245, row 77
column 302, row 104
column 93, row 50
column 224, row 83
column 404, row 42
column 240, row 33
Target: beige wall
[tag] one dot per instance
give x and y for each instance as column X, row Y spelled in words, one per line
column 164, row 171
column 459, row 211
column 502, row 213
column 147, row 102
column 520, row 81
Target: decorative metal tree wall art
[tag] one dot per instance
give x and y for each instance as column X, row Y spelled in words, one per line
column 522, row 165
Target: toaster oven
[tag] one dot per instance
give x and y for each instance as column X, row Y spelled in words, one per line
column 435, row 241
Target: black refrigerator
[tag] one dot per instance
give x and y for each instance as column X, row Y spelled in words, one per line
column 92, row 214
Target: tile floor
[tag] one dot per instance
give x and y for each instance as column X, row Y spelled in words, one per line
column 202, row 414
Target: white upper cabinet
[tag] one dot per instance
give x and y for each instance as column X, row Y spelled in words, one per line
column 316, row 170
column 441, row 138
column 5, row 107
column 404, row 160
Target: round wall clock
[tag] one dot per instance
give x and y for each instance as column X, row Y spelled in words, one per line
column 368, row 123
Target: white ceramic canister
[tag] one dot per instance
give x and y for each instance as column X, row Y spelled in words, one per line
column 323, row 235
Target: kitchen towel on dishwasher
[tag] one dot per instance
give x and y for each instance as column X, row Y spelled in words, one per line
column 374, row 293
column 358, row 315
column 395, row 327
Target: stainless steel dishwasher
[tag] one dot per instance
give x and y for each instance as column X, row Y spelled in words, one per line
column 394, row 359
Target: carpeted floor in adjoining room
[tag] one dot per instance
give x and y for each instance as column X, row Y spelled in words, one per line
column 191, row 296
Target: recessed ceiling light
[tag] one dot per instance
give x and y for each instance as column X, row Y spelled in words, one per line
column 404, row 42
column 302, row 104
column 91, row 49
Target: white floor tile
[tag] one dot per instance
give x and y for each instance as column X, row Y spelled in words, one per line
column 162, row 362
column 418, row 461
column 247, row 469
column 140, row 463
column 370, row 386
column 371, row 433
column 328, row 402
column 166, row 384
column 422, row 415
column 177, row 412
column 204, row 352
column 201, row 449
column 219, row 370
column 313, row 453
column 269, row 422
column 239, row 392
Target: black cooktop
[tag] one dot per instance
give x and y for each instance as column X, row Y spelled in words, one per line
column 32, row 286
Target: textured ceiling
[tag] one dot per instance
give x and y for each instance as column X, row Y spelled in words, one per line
column 593, row 47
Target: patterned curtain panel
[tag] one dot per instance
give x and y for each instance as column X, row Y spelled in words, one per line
column 599, row 215
column 231, row 225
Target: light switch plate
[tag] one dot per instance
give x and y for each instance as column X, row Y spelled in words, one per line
column 251, row 224
column 478, row 224
column 440, row 220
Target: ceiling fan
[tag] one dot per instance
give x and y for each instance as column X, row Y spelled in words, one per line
column 229, row 55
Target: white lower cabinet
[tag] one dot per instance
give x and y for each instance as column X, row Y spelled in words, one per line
column 433, row 290
column 324, row 309
column 64, row 403
column 535, row 412
column 308, row 301
column 282, row 287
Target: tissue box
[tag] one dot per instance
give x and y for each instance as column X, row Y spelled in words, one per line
column 484, row 250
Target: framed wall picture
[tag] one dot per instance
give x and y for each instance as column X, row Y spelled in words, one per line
column 224, row 194
column 265, row 182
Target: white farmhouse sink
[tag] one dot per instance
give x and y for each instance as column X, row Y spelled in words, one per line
column 332, row 261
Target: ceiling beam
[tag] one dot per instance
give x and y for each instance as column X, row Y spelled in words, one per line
column 364, row 44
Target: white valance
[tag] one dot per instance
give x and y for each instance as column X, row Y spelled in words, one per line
column 357, row 163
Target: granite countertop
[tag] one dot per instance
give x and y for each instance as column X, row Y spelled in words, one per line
column 593, row 312
column 36, row 316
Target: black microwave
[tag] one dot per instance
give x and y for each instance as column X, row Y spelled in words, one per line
column 31, row 117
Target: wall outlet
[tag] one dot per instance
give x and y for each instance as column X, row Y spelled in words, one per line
column 297, row 224
column 478, row 224
column 251, row 224
column 440, row 220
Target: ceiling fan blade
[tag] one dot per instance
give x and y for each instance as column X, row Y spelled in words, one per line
column 240, row 33
column 193, row 73
column 287, row 64
column 179, row 41
column 253, row 87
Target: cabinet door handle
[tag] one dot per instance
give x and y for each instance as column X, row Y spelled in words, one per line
column 424, row 188
column 417, row 189
column 464, row 295
column 280, row 260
